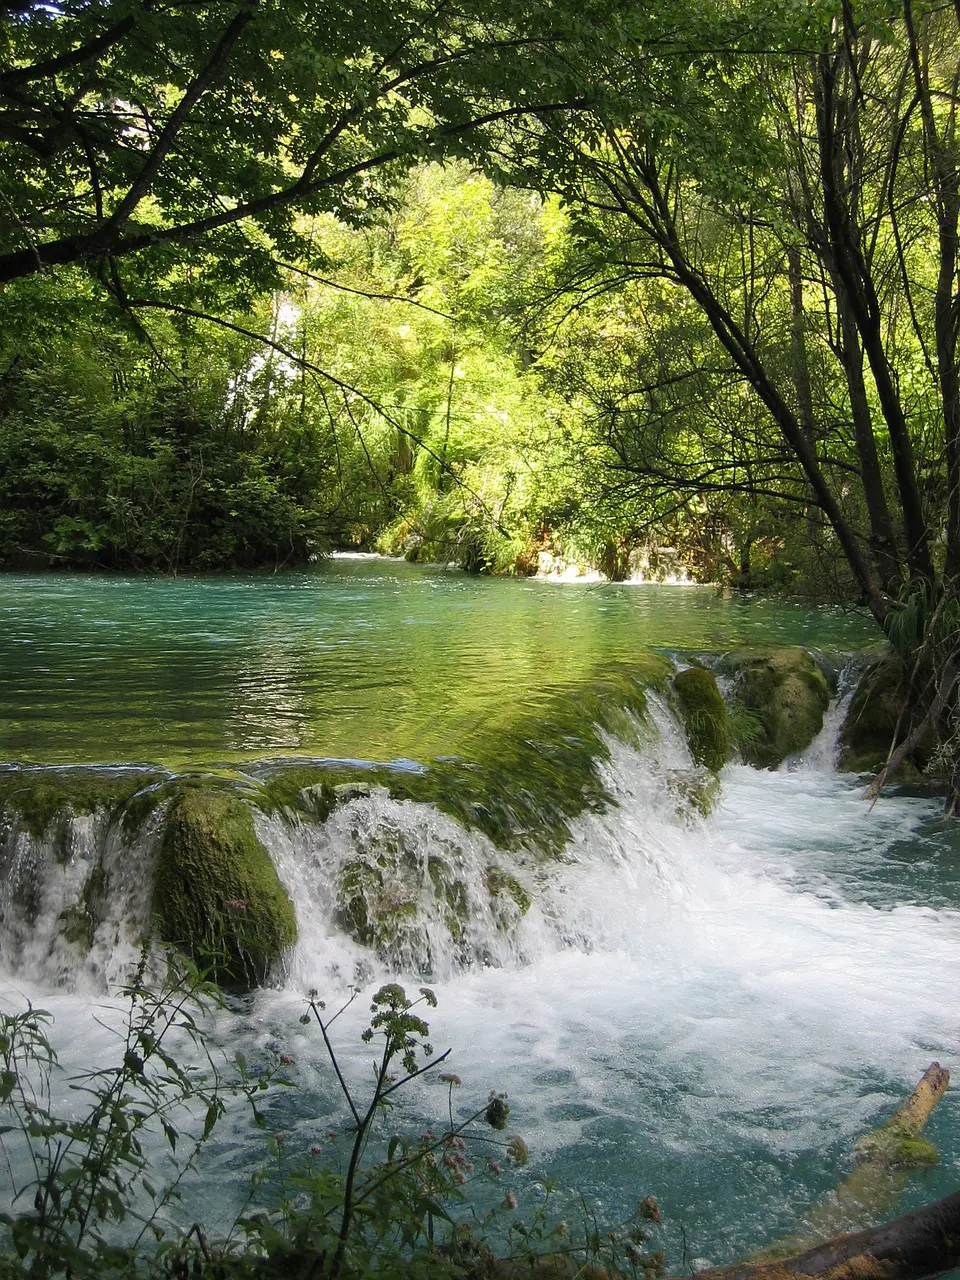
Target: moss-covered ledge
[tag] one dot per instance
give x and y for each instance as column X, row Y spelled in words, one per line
column 877, row 715
column 705, row 717
column 36, row 797
column 216, row 895
column 786, row 693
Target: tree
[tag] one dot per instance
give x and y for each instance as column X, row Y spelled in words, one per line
column 793, row 173
column 189, row 136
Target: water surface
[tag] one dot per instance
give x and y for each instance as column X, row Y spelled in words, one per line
column 355, row 658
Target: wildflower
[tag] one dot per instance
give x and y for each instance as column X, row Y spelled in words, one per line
column 518, row 1152
column 649, row 1208
column 278, row 1137
column 458, row 1177
column 509, row 1200
column 469, row 1166
column 315, row 1150
column 448, row 1077
column 562, row 1229
column 497, row 1111
column 286, row 1059
column 236, row 904
column 495, row 1167
column 332, row 1135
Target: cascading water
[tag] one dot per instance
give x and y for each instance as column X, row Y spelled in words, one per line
column 75, row 899
column 708, row 1008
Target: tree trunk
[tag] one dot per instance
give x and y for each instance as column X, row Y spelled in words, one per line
column 883, row 542
column 844, row 244
column 923, row 1243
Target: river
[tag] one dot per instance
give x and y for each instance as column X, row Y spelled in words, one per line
column 707, row 1009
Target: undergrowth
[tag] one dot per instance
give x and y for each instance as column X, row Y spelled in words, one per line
column 104, row 1167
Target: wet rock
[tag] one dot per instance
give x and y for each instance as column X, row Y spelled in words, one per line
column 705, row 716
column 694, row 790
column 216, row 895
column 874, row 713
column 786, row 694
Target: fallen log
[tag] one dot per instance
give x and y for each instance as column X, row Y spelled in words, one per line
column 925, row 1242
column 917, row 1245
column 886, row 1157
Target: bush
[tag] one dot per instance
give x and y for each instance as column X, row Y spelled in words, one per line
column 391, row 1206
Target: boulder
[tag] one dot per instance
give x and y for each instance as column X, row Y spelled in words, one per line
column 786, row 693
column 217, row 896
column 875, row 710
column 705, row 716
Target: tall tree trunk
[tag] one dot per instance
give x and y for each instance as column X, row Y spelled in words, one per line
column 851, row 269
column 883, row 542
column 942, row 164
column 748, row 361
column 798, row 345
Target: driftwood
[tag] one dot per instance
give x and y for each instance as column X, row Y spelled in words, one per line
column 885, row 1160
column 923, row 1243
column 915, row 1246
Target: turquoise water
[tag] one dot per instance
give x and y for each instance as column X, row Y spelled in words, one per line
column 356, row 658
column 708, row 1010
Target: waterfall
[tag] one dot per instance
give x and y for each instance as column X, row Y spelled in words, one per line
column 74, row 900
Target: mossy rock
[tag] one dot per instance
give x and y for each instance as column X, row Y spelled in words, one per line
column 217, row 895
column 705, row 716
column 373, row 906
column 693, row 790
column 36, row 799
column 524, row 773
column 871, row 722
column 787, row 693
column 502, row 885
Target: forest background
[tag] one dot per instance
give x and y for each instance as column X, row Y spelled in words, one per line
column 472, row 284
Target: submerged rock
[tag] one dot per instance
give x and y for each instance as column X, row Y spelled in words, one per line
column 705, row 716
column 694, row 790
column 786, row 694
column 216, row 894
column 874, row 715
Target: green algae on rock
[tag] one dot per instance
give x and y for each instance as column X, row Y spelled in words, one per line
column 694, row 791
column 705, row 716
column 528, row 775
column 787, row 693
column 216, row 893
column 874, row 716
column 37, row 797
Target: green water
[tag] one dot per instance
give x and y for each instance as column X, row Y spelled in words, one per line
column 356, row 658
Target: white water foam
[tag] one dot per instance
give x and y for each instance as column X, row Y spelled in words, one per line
column 75, row 902
column 685, row 1009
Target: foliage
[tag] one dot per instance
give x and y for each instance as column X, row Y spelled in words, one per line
column 361, row 1205
column 89, row 1173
